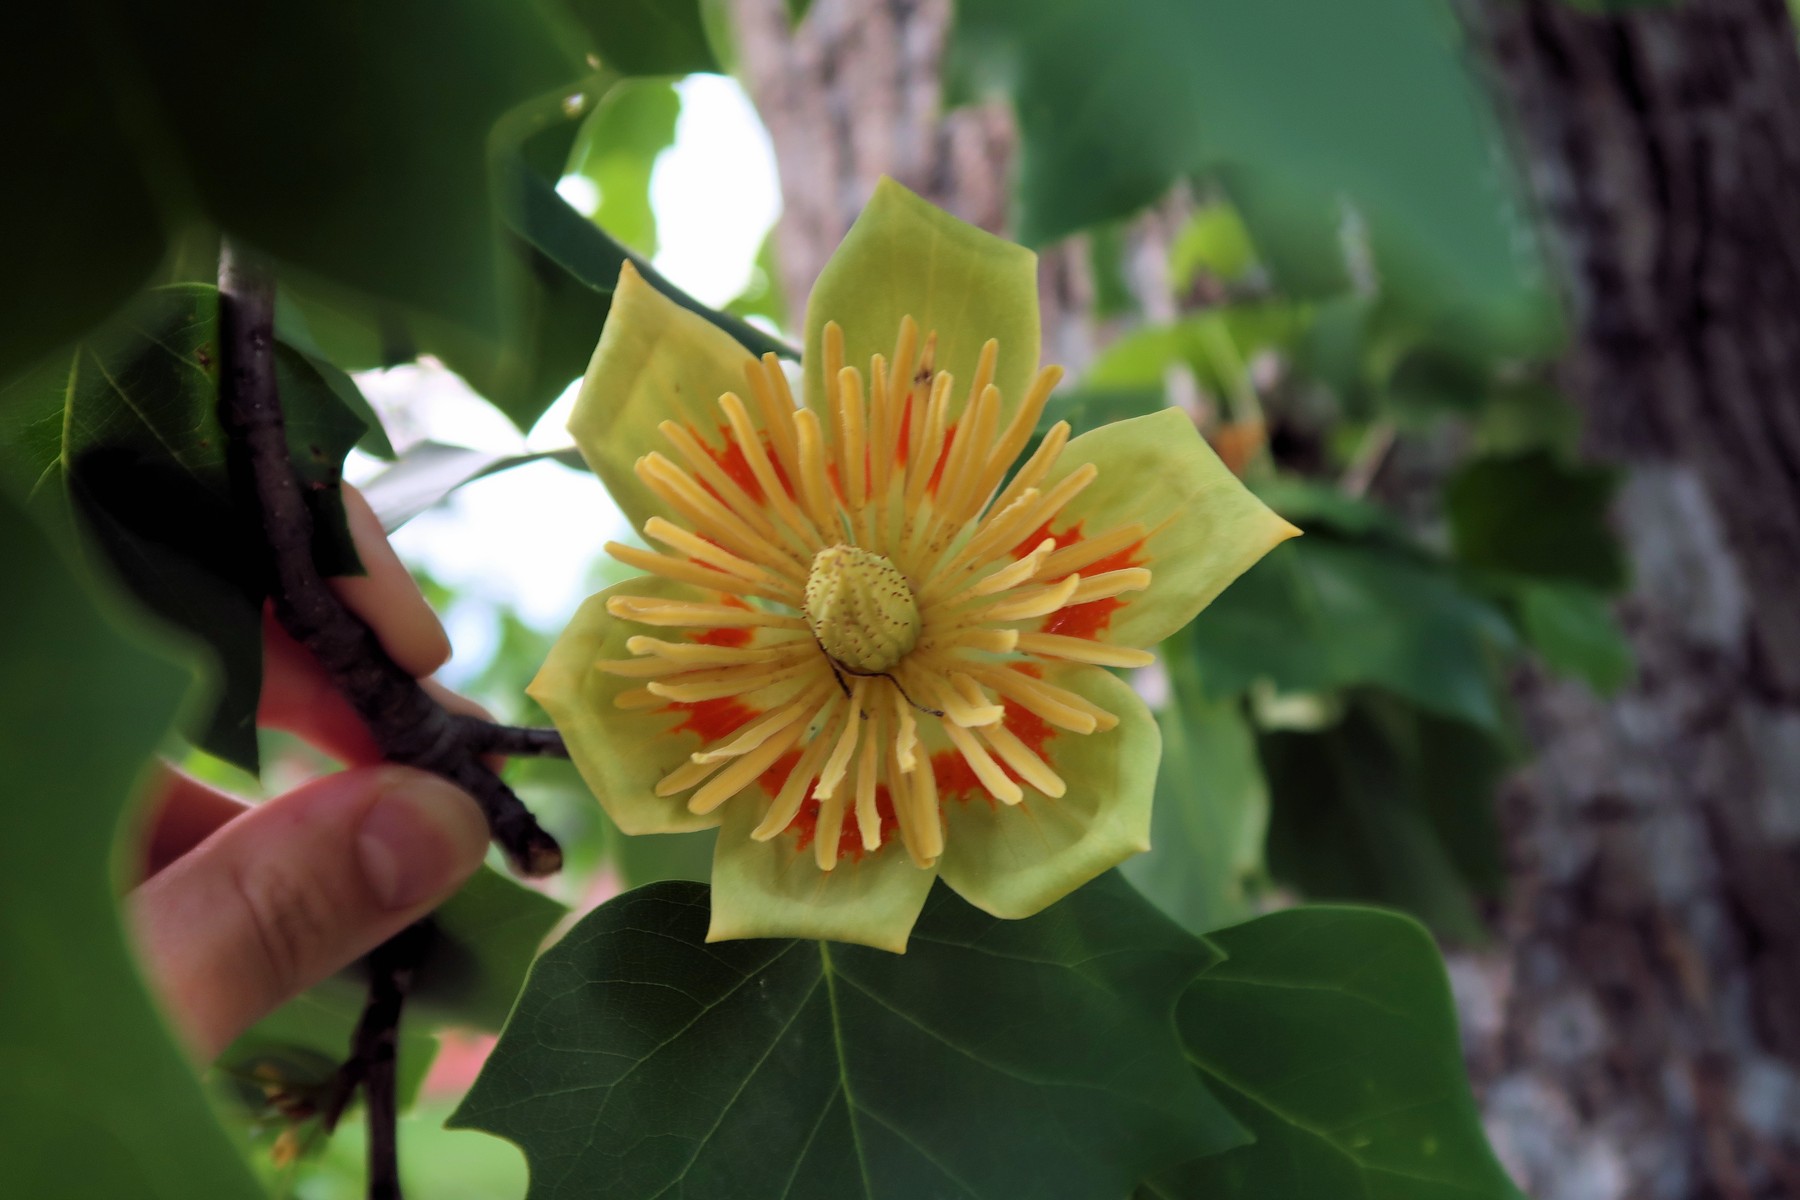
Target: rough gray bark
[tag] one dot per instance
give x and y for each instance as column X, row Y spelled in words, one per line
column 852, row 95
column 1638, row 1034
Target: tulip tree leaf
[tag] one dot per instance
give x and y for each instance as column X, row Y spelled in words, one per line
column 367, row 169
column 1207, row 829
column 94, row 1096
column 647, row 37
column 1330, row 1033
column 1534, row 515
column 1392, row 804
column 1321, row 613
column 138, row 445
column 559, row 269
column 1117, row 102
column 1573, row 630
column 994, row 1059
column 617, row 149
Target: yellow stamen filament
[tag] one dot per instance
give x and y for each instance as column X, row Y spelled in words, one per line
column 734, row 778
column 982, row 763
column 839, row 762
column 1056, row 645
column 681, row 493
column 787, row 803
column 776, row 404
column 698, row 616
column 760, row 466
column 758, row 732
column 699, row 654
column 685, row 571
column 734, row 498
column 676, row 538
column 814, row 485
column 1058, row 706
column 1018, row 756
column 1109, row 584
column 733, row 681
column 1035, row 602
column 868, row 816
column 827, row 495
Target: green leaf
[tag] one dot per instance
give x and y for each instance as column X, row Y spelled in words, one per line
column 1214, row 345
column 1205, row 862
column 1524, row 415
column 1330, row 1033
column 1392, row 805
column 1314, row 505
column 647, row 37
column 1215, row 241
column 140, row 449
column 1533, row 515
column 85, row 235
column 1573, row 630
column 1308, row 112
column 564, row 270
column 617, row 149
column 368, row 169
column 994, row 1059
column 430, row 471
column 95, row 1098
column 1319, row 614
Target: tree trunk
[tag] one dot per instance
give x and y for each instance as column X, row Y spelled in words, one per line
column 852, row 95
column 1638, row 1035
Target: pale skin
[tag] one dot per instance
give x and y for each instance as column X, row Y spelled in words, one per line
column 243, row 907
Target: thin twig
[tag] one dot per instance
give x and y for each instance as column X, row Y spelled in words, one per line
column 374, row 1054
column 409, row 726
column 485, row 737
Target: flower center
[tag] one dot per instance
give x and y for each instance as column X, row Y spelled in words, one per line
column 861, row 609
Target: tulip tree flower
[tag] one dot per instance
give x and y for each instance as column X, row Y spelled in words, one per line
column 860, row 648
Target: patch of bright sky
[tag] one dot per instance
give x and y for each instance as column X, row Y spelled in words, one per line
column 530, row 538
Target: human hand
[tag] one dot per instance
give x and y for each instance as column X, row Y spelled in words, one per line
column 243, row 907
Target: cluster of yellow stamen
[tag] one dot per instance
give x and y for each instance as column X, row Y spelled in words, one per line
column 877, row 575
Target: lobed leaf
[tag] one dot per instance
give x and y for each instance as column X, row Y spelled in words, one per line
column 994, row 1059
column 1330, row 1033
column 95, row 1098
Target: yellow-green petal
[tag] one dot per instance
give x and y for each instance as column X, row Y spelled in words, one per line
column 1205, row 527
column 1015, row 860
column 656, row 362
column 621, row 753
column 905, row 257
column 775, row 888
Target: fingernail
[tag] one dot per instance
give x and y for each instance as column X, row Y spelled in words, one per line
column 420, row 840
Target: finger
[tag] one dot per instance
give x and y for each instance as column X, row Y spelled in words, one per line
column 387, row 598
column 296, row 889
column 297, row 696
column 183, row 812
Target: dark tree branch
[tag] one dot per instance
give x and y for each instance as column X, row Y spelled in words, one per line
column 485, row 737
column 409, row 726
column 374, row 1052
column 407, row 723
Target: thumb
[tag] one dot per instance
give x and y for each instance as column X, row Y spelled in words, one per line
column 299, row 888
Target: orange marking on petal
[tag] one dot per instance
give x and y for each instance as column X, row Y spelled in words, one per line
column 956, row 778
column 1094, row 618
column 805, row 825
column 903, row 444
column 735, row 636
column 731, row 460
column 713, row 719
column 937, row 472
